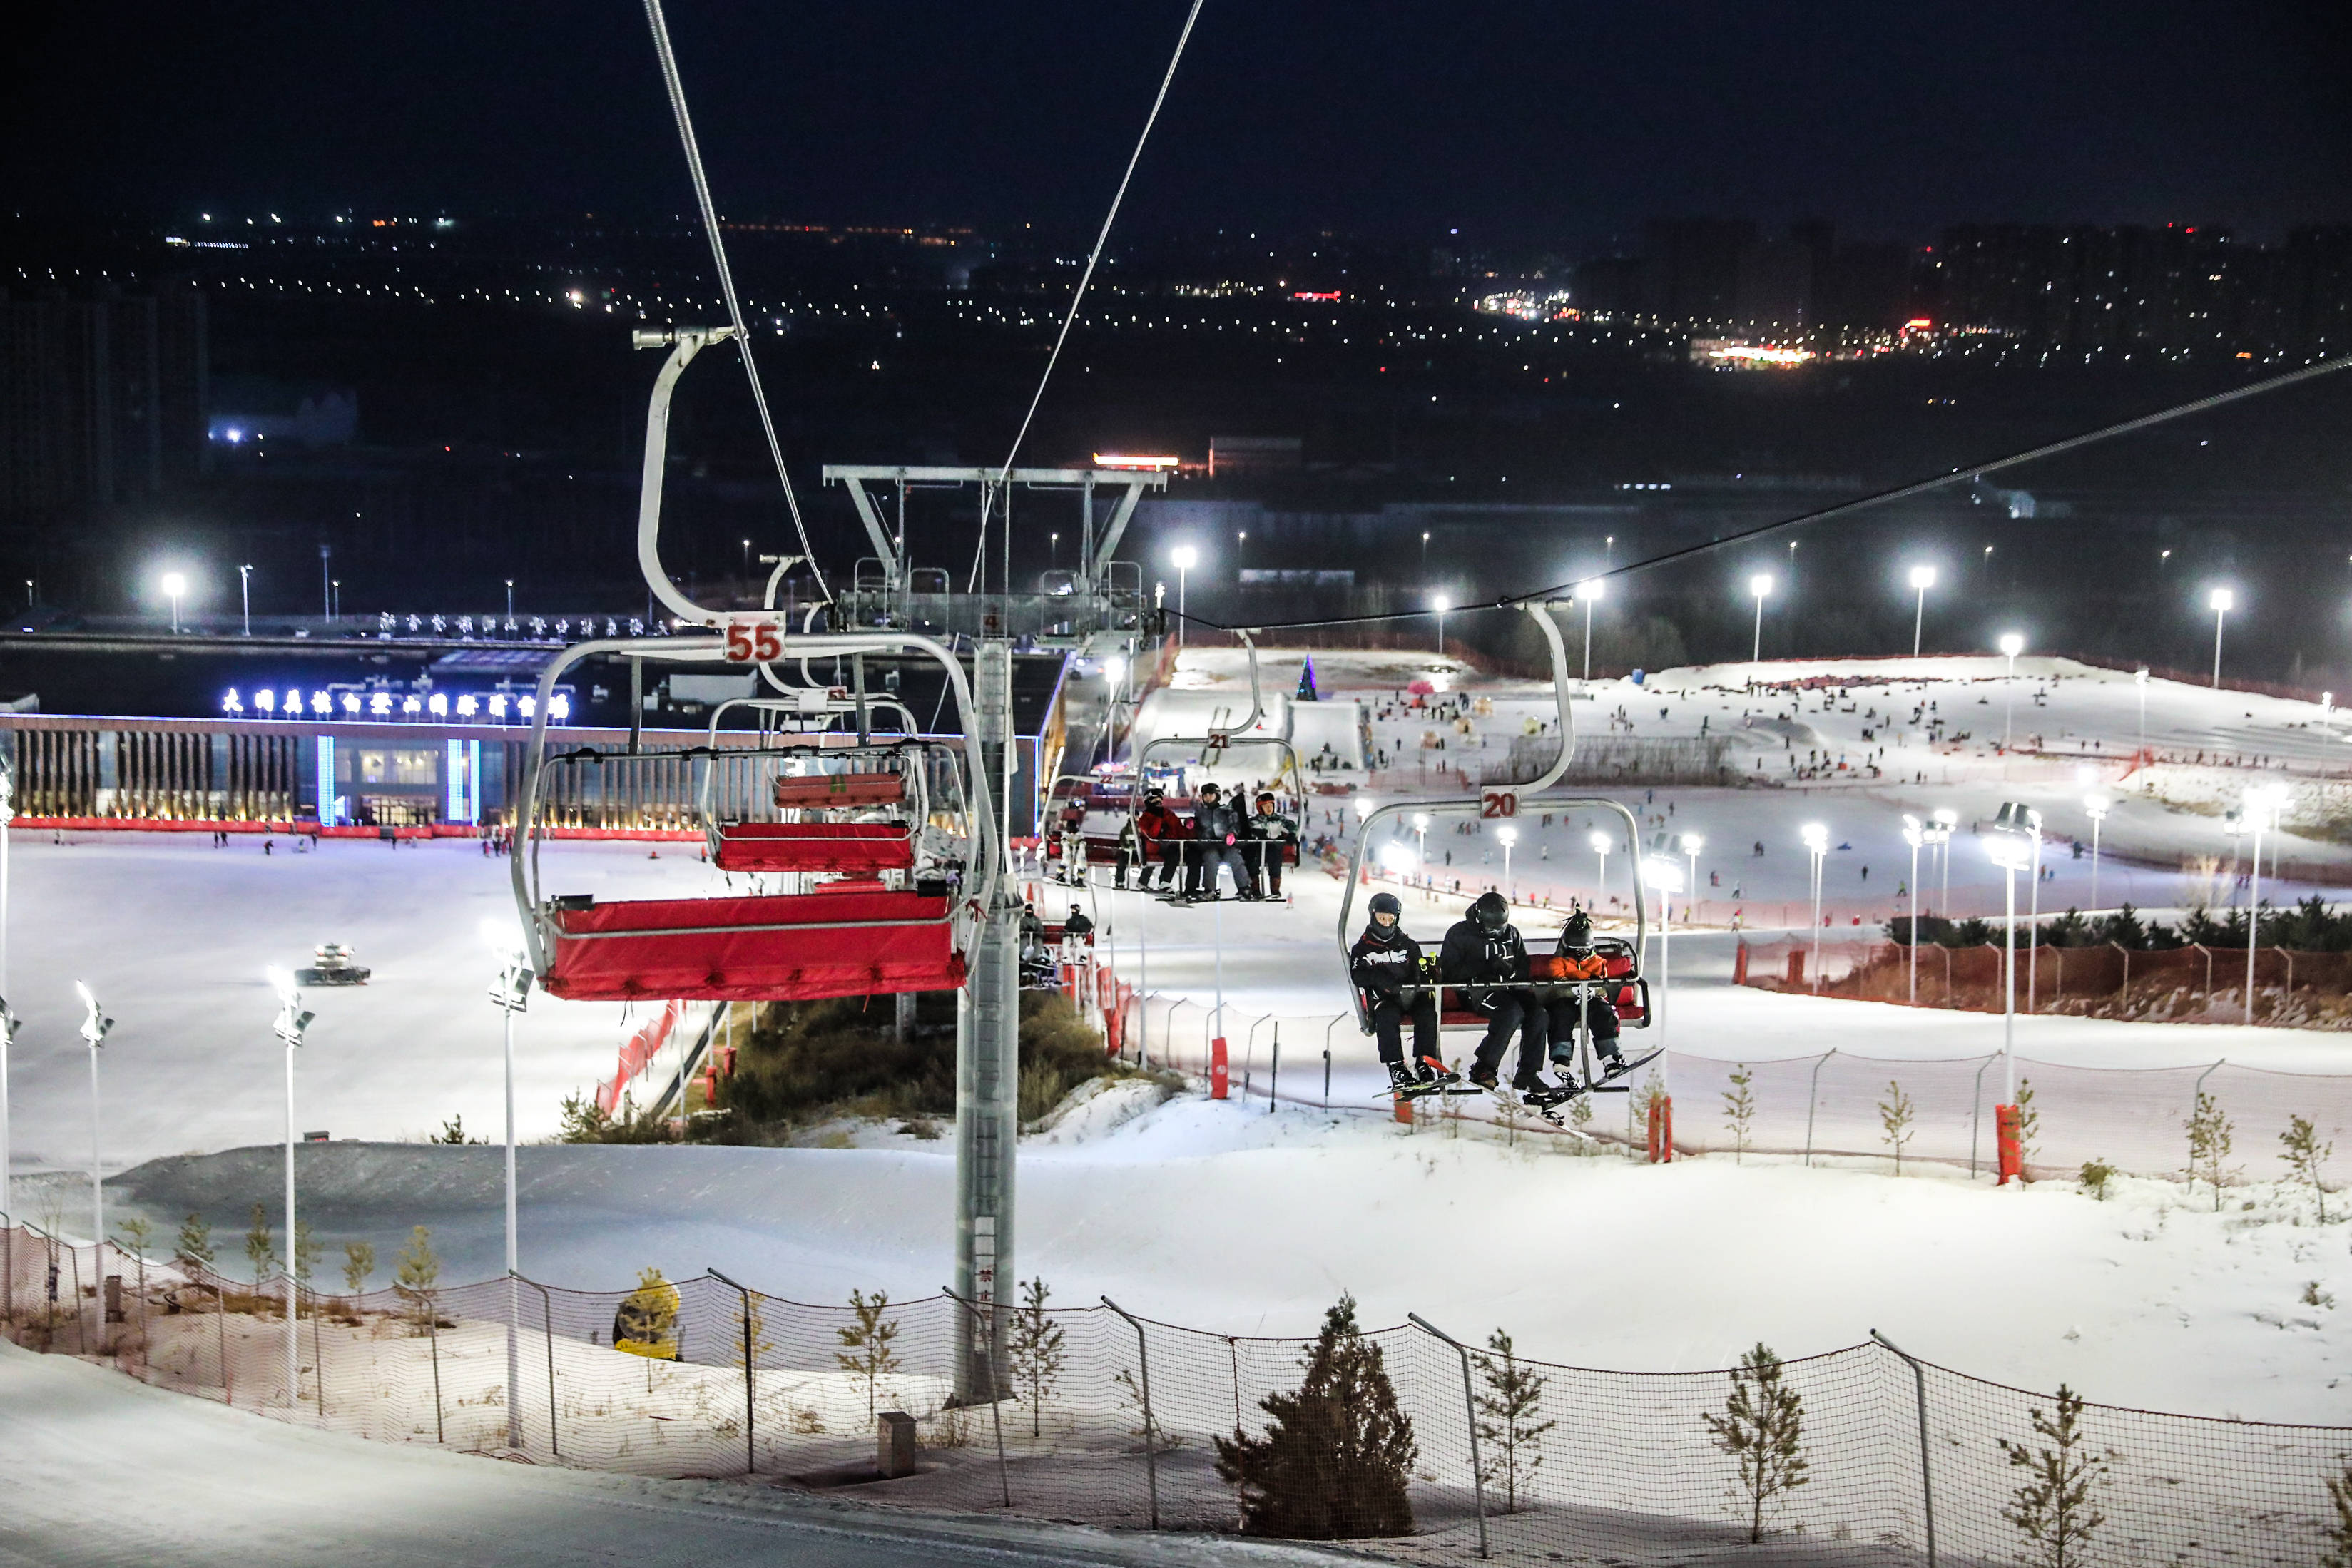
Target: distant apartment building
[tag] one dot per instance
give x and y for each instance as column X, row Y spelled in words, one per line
column 101, row 399
column 2175, row 293
column 1726, row 272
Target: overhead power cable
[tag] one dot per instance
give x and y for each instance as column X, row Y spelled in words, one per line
column 660, row 26
column 1901, row 493
column 1004, row 477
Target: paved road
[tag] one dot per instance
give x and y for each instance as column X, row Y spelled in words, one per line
column 103, row 1470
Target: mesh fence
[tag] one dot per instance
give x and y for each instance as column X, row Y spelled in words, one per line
column 1118, row 1421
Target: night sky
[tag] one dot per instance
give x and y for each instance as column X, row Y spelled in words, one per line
column 1517, row 122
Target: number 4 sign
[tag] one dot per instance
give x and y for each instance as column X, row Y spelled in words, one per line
column 753, row 644
column 1498, row 802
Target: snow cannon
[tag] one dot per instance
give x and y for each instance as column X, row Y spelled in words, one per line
column 332, row 965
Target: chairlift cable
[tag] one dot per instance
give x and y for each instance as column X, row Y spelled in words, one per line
column 1004, row 476
column 660, row 26
column 1901, row 493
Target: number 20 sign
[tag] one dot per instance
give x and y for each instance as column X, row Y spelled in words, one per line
column 753, row 644
column 1498, row 802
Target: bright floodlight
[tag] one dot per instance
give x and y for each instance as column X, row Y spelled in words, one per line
column 2222, row 600
column 1507, row 834
column 2262, row 805
column 175, row 584
column 1760, row 584
column 2097, row 805
column 1693, row 843
column 1913, row 834
column 1816, row 837
column 1363, row 807
column 2011, row 644
column 1185, row 557
column 1439, row 602
column 1115, row 669
column 1923, row 576
column 2009, row 850
column 503, row 940
column 282, row 983
column 1396, row 857
column 1946, row 816
column 1421, row 821
column 1588, row 589
column 1662, row 874
column 1600, row 842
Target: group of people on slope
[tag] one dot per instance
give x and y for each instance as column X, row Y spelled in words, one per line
column 1186, row 853
column 1485, row 955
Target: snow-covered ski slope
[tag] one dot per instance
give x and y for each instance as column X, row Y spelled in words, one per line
column 106, row 1470
column 1225, row 1215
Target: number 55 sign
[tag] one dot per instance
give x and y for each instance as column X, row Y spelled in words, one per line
column 753, row 644
column 1498, row 802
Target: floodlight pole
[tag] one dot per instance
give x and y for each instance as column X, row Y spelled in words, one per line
column 2254, row 907
column 1914, row 838
column 293, row 1256
column 2033, row 921
column 2009, row 983
column 1918, row 620
column 512, row 994
column 2221, row 614
column 1755, row 648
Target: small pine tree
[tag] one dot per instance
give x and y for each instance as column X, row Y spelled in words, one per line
column 418, row 1271
column 1337, row 1454
column 2052, row 1507
column 1762, row 1428
column 1739, row 1109
column 359, row 1263
column 307, row 1248
column 2029, row 1122
column 2338, row 1530
column 2210, row 1137
column 1513, row 1399
column 454, row 1132
column 260, row 1248
column 1036, row 1351
column 1894, row 1114
column 2306, row 1156
column 2096, row 1174
column 866, row 1345
column 193, row 1251
column 137, row 1232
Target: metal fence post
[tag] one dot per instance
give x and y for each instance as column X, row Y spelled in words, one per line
column 1150, row 1443
column 1274, row 1073
column 750, row 1455
column 1926, row 1486
column 1976, row 1115
column 547, row 1321
column 1470, row 1408
column 1327, row 1059
column 433, row 1336
column 1814, row 1098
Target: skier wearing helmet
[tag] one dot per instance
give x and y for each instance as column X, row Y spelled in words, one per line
column 1486, row 947
column 1384, row 962
column 1581, row 961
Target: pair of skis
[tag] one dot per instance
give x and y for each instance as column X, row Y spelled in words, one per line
column 1543, row 1103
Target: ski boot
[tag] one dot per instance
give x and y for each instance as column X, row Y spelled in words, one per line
column 1437, row 1074
column 1405, row 1083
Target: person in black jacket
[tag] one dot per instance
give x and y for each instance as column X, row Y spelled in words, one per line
column 1384, row 962
column 1270, row 836
column 1487, row 947
column 1217, row 830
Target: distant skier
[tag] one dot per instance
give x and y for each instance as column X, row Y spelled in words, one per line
column 1486, row 947
column 1384, row 962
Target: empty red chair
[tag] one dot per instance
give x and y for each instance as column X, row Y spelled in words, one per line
column 817, row 791
column 790, row 948
column 840, row 847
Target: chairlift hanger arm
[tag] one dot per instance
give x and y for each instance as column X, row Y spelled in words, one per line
column 686, row 342
column 989, row 862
